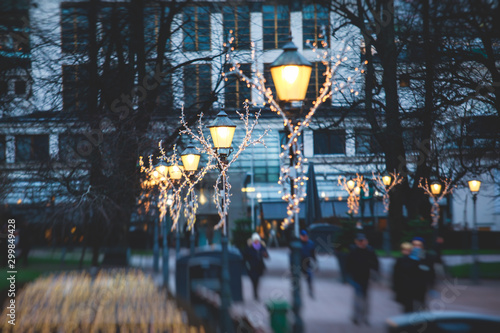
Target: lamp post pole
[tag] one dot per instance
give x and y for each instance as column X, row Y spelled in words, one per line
column 165, row 254
column 222, row 131
column 474, row 186
column 296, row 246
column 193, row 236
column 177, row 241
column 475, row 243
column 227, row 326
column 156, row 246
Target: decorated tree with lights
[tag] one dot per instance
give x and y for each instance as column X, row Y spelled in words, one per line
column 292, row 175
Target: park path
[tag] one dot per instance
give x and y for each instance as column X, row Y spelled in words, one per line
column 330, row 310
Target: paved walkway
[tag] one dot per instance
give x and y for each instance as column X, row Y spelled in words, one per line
column 331, row 308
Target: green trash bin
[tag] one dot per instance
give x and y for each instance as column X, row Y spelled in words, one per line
column 278, row 312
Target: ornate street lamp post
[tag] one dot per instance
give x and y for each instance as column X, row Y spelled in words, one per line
column 474, row 186
column 191, row 159
column 175, row 172
column 222, row 132
column 386, row 183
column 291, row 72
column 160, row 174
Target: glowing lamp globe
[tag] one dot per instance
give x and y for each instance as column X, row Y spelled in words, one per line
column 357, row 190
column 222, row 131
column 350, row 184
column 386, row 180
column 291, row 72
column 160, row 171
column 436, row 188
column 175, row 171
column 474, row 186
column 190, row 158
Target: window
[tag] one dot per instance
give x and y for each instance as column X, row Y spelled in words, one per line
column 366, row 142
column 236, row 91
column 329, row 142
column 75, row 87
column 237, row 20
column 276, row 26
column 315, row 82
column 264, row 159
column 316, row 24
column 154, row 17
column 2, row 149
column 74, row 28
column 20, row 87
column 196, row 28
column 197, row 84
column 32, row 148
column 115, row 20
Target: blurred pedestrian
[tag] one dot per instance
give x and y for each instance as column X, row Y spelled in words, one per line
column 426, row 270
column 408, row 281
column 273, row 235
column 360, row 261
column 254, row 255
column 308, row 259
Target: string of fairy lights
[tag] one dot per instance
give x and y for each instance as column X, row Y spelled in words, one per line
column 436, row 192
column 222, row 199
column 295, row 174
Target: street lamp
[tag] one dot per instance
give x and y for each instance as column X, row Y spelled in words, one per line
column 222, row 132
column 191, row 158
column 159, row 174
column 474, row 186
column 357, row 190
column 386, row 180
column 291, row 72
column 350, row 185
column 175, row 171
column 436, row 188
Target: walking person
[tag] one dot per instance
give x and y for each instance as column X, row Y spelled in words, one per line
column 254, row 255
column 360, row 261
column 308, row 259
column 408, row 283
column 273, row 237
column 426, row 273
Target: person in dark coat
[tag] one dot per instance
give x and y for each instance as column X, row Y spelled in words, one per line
column 307, row 259
column 254, row 255
column 408, row 280
column 360, row 261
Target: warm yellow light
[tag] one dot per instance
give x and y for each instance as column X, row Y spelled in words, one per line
column 248, row 189
column 170, row 200
column 436, row 188
column 190, row 162
column 290, row 73
column 474, row 185
column 160, row 172
column 350, row 184
column 222, row 136
column 175, row 171
column 203, row 198
column 357, row 190
column 291, row 82
column 386, row 180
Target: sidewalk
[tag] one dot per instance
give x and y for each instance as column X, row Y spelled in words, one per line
column 332, row 304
